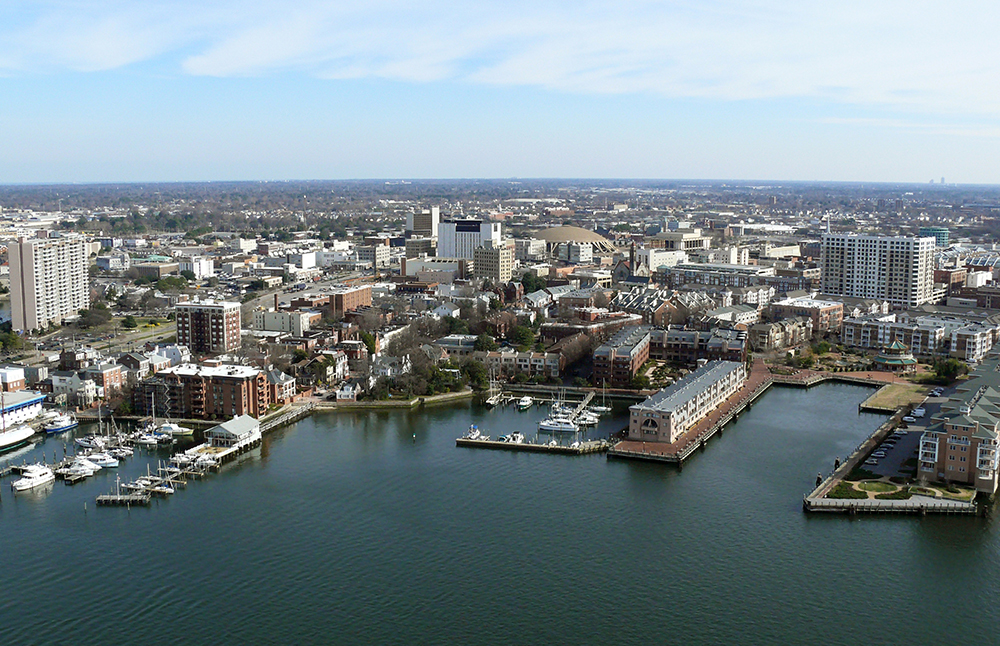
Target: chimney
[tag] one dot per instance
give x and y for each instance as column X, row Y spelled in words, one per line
column 275, row 302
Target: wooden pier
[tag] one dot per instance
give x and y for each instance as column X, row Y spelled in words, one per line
column 592, row 446
column 123, row 500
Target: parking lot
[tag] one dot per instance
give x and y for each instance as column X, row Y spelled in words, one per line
column 907, row 440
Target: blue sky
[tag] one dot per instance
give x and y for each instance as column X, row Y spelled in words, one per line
column 103, row 90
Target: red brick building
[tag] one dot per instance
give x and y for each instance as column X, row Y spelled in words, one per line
column 209, row 326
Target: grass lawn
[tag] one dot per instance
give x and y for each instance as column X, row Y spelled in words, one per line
column 896, row 395
column 845, row 491
column 895, row 495
column 881, row 487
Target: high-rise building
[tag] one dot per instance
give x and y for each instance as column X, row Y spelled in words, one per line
column 896, row 269
column 209, row 326
column 459, row 238
column 494, row 261
column 48, row 281
column 423, row 224
column 941, row 235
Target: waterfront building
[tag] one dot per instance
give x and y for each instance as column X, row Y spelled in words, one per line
column 681, row 345
column 190, row 390
column 961, row 442
column 241, row 431
column 786, row 333
column 460, row 238
column 618, row 360
column 895, row 357
column 20, row 407
column 208, row 326
column 897, row 269
column 668, row 414
column 48, row 281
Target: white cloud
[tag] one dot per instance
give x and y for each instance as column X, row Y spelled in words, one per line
column 930, row 58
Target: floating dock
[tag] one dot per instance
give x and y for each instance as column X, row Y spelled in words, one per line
column 592, row 446
column 123, row 500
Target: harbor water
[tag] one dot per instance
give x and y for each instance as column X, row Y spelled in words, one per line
column 374, row 528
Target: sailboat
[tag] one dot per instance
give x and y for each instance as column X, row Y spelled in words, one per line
column 603, row 407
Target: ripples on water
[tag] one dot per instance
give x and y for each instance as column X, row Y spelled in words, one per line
column 346, row 529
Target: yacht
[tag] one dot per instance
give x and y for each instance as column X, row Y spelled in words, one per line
column 15, row 437
column 516, row 438
column 91, row 442
column 169, row 428
column 600, row 409
column 525, row 403
column 61, row 424
column 78, row 467
column 121, row 452
column 587, row 419
column 557, row 424
column 33, row 475
column 103, row 460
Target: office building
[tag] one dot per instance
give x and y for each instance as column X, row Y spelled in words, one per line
column 200, row 266
column 941, row 235
column 208, row 326
column 48, row 281
column 494, row 261
column 424, row 224
column 897, row 269
column 347, row 298
column 460, row 238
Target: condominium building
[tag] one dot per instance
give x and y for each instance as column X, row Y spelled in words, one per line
column 297, row 323
column 897, row 269
column 460, row 238
column 682, row 240
column 961, row 441
column 347, row 298
column 190, row 390
column 494, row 261
column 48, row 281
column 618, row 360
column 209, row 326
column 668, row 414
column 200, row 266
column 827, row 316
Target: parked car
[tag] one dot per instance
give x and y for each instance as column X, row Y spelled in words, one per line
column 871, row 461
column 919, row 412
column 878, row 454
column 909, row 419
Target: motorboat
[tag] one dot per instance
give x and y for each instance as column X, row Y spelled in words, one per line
column 516, row 438
column 558, row 424
column 525, row 403
column 91, row 442
column 33, row 475
column 182, row 459
column 78, row 467
column 587, row 419
column 169, row 428
column 61, row 424
column 121, row 452
column 473, row 433
column 206, row 461
column 155, row 438
column 162, row 489
column 600, row 409
column 103, row 460
column 15, row 437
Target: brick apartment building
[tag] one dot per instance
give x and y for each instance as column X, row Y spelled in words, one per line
column 209, row 326
column 618, row 360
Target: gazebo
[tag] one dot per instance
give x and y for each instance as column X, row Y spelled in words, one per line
column 896, row 357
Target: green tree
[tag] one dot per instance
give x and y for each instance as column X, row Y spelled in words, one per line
column 129, row 322
column 187, row 273
column 369, row 341
column 532, row 283
column 950, row 369
column 299, row 355
column 484, row 342
column 522, row 336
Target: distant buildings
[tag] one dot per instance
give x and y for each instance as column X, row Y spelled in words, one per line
column 48, row 281
column 209, row 326
column 897, row 269
column 941, row 235
column 347, row 298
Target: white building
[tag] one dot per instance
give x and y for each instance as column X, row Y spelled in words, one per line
column 460, row 238
column 897, row 269
column 654, row 258
column 48, row 281
column 200, row 266
column 296, row 323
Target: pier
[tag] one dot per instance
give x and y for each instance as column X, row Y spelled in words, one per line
column 591, row 446
column 123, row 500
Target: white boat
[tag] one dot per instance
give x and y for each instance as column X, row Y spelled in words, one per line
column 558, row 424
column 206, row 461
column 600, row 409
column 516, row 438
column 162, row 489
column 78, row 467
column 473, row 433
column 121, row 452
column 103, row 460
column 587, row 419
column 525, row 403
column 169, row 428
column 60, row 424
column 91, row 442
column 15, row 437
column 34, row 475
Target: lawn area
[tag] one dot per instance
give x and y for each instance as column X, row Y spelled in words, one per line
column 880, row 487
column 846, row 491
column 896, row 395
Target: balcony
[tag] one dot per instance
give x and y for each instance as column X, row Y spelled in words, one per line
column 928, row 456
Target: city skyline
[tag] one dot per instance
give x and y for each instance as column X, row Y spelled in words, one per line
column 102, row 91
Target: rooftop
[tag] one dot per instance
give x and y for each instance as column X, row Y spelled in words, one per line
column 678, row 394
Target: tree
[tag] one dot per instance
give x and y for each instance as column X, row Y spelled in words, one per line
column 369, row 341
column 532, row 283
column 640, row 382
column 522, row 336
column 299, row 355
column 129, row 322
column 187, row 273
column 950, row 369
column 484, row 342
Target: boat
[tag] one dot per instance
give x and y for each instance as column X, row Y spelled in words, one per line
column 587, row 419
column 558, row 424
column 15, row 437
column 473, row 433
column 121, row 452
column 61, row 424
column 516, row 438
column 33, row 475
column 525, row 403
column 162, row 489
column 91, row 441
column 78, row 467
column 206, row 461
column 169, row 428
column 103, row 460
column 603, row 407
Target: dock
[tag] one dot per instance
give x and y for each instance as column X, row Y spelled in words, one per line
column 123, row 500
column 591, row 446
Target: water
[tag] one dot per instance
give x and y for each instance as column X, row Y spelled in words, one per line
column 344, row 529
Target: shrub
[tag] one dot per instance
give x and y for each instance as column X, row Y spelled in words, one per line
column 902, row 494
column 846, row 491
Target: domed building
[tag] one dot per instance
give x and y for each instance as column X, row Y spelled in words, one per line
column 555, row 236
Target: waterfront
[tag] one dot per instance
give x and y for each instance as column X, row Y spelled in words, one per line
column 345, row 528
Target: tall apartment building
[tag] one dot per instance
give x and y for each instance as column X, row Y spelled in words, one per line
column 347, row 298
column 897, row 269
column 424, row 224
column 208, row 326
column 48, row 281
column 460, row 238
column 200, row 266
column 494, row 261
column 190, row 390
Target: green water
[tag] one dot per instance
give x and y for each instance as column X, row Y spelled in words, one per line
column 345, row 529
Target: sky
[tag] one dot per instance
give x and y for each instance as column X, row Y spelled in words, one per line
column 181, row 90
